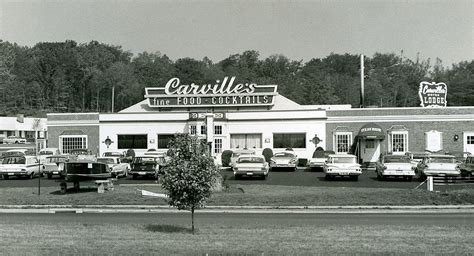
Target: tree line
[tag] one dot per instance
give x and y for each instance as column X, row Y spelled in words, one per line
column 72, row 77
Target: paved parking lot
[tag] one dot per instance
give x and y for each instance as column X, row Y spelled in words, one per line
column 301, row 177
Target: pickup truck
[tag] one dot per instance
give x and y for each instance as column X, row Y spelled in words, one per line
column 115, row 166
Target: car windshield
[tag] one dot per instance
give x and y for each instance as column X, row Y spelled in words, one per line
column 14, row 160
column 343, row 160
column 446, row 160
column 112, row 154
column 251, row 160
column 284, row 154
column 43, row 153
column 237, row 154
column 322, row 154
column 79, row 152
column 396, row 159
column 55, row 160
column 105, row 160
column 138, row 160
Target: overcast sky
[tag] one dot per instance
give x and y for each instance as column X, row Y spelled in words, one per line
column 300, row 30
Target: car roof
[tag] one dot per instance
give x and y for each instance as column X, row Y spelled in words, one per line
column 244, row 151
column 342, row 155
column 48, row 149
column 259, row 156
column 444, row 156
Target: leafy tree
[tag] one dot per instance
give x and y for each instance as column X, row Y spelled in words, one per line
column 190, row 174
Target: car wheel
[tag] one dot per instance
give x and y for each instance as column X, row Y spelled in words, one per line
column 328, row 177
column 32, row 175
column 50, row 176
column 5, row 177
column 113, row 175
column 264, row 177
column 409, row 178
column 295, row 169
column 355, row 178
column 237, row 176
column 134, row 176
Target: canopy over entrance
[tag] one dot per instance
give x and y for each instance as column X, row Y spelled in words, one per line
column 371, row 131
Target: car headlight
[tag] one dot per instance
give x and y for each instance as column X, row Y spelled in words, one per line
column 236, row 169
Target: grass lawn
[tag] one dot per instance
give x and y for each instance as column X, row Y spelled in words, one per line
column 215, row 237
column 245, row 195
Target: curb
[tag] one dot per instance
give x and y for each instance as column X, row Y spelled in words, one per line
column 236, row 209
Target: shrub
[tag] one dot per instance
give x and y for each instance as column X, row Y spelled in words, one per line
column 225, row 158
column 268, row 154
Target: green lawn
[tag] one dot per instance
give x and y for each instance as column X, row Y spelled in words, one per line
column 245, row 195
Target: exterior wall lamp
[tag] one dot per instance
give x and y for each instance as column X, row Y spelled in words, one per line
column 456, row 137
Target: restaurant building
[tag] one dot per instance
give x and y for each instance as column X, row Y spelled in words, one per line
column 232, row 115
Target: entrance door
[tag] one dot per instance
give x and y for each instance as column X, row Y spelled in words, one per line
column 468, row 142
column 369, row 150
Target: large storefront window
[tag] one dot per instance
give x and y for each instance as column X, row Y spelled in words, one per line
column 164, row 140
column 342, row 142
column 289, row 140
column 132, row 141
column 246, row 141
column 70, row 142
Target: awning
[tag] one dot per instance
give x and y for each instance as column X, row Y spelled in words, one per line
column 371, row 131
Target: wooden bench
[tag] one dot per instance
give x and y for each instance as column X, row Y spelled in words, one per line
column 103, row 185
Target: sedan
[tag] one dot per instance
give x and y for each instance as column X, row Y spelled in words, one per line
column 284, row 160
column 395, row 166
column 342, row 165
column 251, row 165
column 438, row 165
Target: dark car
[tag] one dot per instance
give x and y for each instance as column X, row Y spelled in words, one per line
column 467, row 167
column 145, row 166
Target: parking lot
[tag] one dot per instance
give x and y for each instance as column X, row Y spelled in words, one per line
column 301, row 177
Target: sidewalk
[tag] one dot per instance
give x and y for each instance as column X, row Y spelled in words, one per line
column 236, row 209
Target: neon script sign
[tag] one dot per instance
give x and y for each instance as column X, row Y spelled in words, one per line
column 225, row 92
column 433, row 94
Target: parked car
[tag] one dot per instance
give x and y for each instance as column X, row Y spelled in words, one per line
column 286, row 159
column 113, row 153
column 459, row 155
column 18, row 151
column 251, row 165
column 342, row 165
column 237, row 153
column 146, row 166
column 416, row 157
column 54, row 165
column 319, row 158
column 82, row 154
column 395, row 166
column 14, row 140
column 20, row 166
column 44, row 152
column 115, row 166
column 438, row 165
column 467, row 168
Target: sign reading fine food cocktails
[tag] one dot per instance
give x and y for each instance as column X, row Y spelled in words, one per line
column 433, row 94
column 221, row 93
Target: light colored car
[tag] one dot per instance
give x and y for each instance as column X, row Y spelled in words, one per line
column 14, row 140
column 113, row 153
column 438, row 165
column 44, row 152
column 342, row 165
column 116, row 167
column 20, row 166
column 237, row 153
column 395, row 166
column 286, row 159
column 251, row 165
column 54, row 165
column 319, row 158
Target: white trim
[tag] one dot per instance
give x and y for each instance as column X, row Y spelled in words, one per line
column 405, row 140
column 334, row 140
column 61, row 137
column 404, row 118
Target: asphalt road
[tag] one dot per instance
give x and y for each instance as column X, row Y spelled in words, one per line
column 301, row 177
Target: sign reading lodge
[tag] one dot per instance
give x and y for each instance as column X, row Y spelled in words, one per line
column 433, row 94
column 223, row 93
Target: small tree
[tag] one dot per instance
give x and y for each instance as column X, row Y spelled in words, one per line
column 225, row 158
column 189, row 177
column 268, row 154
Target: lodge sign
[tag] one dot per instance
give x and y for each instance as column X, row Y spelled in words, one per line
column 225, row 92
column 433, row 94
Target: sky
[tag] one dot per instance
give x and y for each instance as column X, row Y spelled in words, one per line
column 300, row 30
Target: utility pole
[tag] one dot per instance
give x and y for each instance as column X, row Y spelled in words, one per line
column 362, row 100
column 113, row 96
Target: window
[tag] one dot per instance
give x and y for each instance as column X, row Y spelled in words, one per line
column 217, row 146
column 246, row 141
column 132, row 141
column 289, row 140
column 164, row 139
column 193, row 130
column 342, row 142
column 218, row 129
column 203, row 130
column 470, row 140
column 398, row 142
column 70, row 142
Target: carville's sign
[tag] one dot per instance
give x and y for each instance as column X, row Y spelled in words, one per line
column 433, row 94
column 225, row 92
